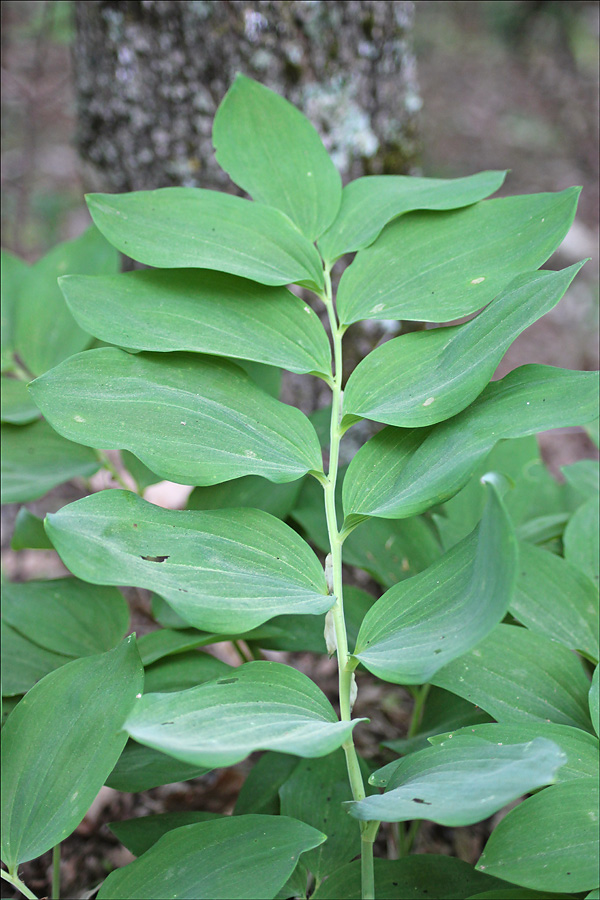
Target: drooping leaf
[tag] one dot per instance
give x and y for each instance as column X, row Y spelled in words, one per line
column 190, row 419
column 142, row 768
column 419, row 625
column 252, row 491
column 529, row 849
column 247, row 857
column 201, row 311
column 222, row 570
column 460, row 782
column 29, row 532
column 66, row 615
column 25, row 663
column 181, row 227
column 183, row 670
column 554, row 598
column 51, row 769
column 402, row 472
column 260, row 791
column 421, row 378
column 369, row 203
column 17, row 406
column 437, row 266
column 582, row 539
column 262, row 706
column 36, row 459
column 284, row 162
column 139, row 834
column 13, row 272
column 517, row 675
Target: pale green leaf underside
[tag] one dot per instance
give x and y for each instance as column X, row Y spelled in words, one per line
column 425, row 377
column 51, row 769
column 402, row 472
column 181, row 227
column 437, row 266
column 549, row 842
column 283, row 162
column 221, row 570
column 191, row 419
column 247, row 857
column 261, row 706
column 201, row 311
column 421, row 624
column 462, row 781
column 369, row 203
column 17, row 406
column 519, row 676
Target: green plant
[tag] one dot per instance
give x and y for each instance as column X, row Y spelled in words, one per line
column 487, row 562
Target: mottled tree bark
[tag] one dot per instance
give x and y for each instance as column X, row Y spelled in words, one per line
column 149, row 76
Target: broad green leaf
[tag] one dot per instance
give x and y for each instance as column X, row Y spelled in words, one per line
column 17, row 406
column 201, row 311
column 247, row 857
column 183, row 670
column 24, row 663
column 260, row 791
column 221, row 570
column 29, row 532
column 554, row 598
column 402, row 472
column 52, row 768
column 181, row 227
column 191, row 419
column 268, row 378
column 528, row 848
column 437, row 266
column 46, row 331
column 519, row 894
column 593, row 895
column 283, row 162
column 156, row 645
column 421, row 624
column 165, row 615
column 593, row 431
column 36, row 459
column 594, row 701
column 421, row 378
column 139, row 834
column 426, row 875
column 14, row 272
column 580, row 748
column 142, row 768
column 314, row 793
column 262, row 706
column 66, row 615
column 583, row 476
column 252, row 491
column 582, row 539
column 141, row 474
column 369, row 203
column 461, row 781
column 516, row 676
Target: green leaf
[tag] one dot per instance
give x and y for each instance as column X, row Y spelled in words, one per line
column 247, row 857
column 142, row 768
column 402, row 472
column 283, row 163
column 580, row 748
column 156, row 645
column 138, row 835
column 583, row 476
column 369, row 203
column 52, row 768
column 181, row 227
column 421, row 378
column 582, row 539
column 314, row 793
column 17, row 406
column 517, row 675
column 190, row 419
column 420, row 876
column 252, row 491
column 221, row 570
column 556, row 599
column 204, row 312
column 29, row 532
column 268, row 378
column 462, row 781
column 24, row 663
column 182, row 671
column 421, row 624
column 14, row 272
column 528, row 849
column 36, row 459
column 263, row 706
column 437, row 266
column 66, row 615
column 141, row 474
column 46, row 332
column 260, row 791
column 594, row 701
column 519, row 894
